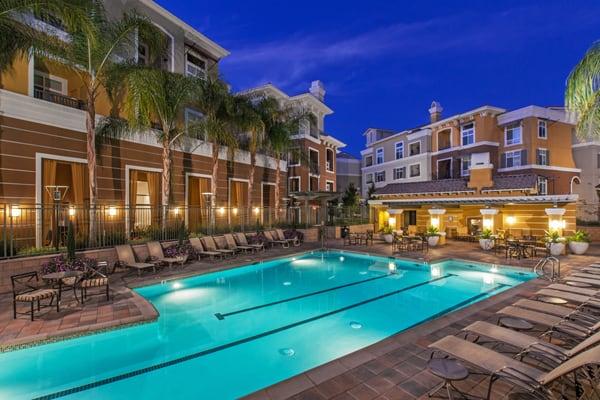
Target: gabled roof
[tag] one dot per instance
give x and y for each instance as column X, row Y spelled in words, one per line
column 346, row 155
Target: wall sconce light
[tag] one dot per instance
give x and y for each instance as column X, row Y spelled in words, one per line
column 235, row 211
column 556, row 224
column 488, row 223
column 435, row 222
column 176, row 211
column 112, row 211
column 72, row 211
column 256, row 210
column 15, row 211
column 511, row 220
column 392, row 222
column 222, row 210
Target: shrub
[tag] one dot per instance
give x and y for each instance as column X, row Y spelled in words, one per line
column 553, row 237
column 486, row 234
column 60, row 264
column 432, row 231
column 580, row 236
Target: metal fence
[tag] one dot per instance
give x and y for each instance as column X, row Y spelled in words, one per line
column 344, row 216
column 41, row 229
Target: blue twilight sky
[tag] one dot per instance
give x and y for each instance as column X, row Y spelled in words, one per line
column 383, row 62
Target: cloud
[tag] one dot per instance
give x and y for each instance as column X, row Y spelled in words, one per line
column 290, row 61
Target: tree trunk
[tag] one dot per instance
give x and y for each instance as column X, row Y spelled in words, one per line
column 251, row 184
column 166, row 180
column 213, row 183
column 277, row 183
column 90, row 125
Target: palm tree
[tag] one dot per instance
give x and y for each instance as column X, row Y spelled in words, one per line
column 218, row 125
column 91, row 54
column 154, row 95
column 17, row 37
column 582, row 96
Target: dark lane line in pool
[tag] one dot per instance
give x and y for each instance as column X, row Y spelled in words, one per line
column 221, row 316
column 180, row 360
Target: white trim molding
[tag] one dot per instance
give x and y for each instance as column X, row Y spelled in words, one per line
column 537, row 166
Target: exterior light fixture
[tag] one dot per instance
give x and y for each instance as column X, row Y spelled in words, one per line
column 511, row 220
column 235, row 211
column 72, row 211
column 15, row 211
column 112, row 211
column 176, row 211
column 222, row 210
column 256, row 210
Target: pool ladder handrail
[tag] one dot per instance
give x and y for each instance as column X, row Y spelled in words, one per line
column 539, row 268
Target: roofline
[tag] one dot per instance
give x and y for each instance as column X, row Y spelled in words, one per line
column 567, row 198
column 217, row 51
column 465, row 114
column 299, row 97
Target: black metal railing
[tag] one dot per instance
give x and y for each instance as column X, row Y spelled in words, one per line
column 53, row 97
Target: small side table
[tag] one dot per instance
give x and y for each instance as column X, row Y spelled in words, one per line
column 552, row 300
column 516, row 324
column 450, row 371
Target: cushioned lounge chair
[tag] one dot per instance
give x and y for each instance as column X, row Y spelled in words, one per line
column 572, row 289
column 26, row 289
column 232, row 245
column 241, row 240
column 127, row 259
column 581, row 300
column 155, row 250
column 281, row 236
column 500, row 366
column 273, row 241
column 211, row 245
column 553, row 309
column 201, row 251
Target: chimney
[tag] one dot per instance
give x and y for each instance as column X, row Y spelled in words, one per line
column 435, row 112
column 317, row 89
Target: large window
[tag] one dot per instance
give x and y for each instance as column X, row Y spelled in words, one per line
column 329, row 186
column 369, row 178
column 191, row 117
column 542, row 157
column 294, row 158
column 399, row 150
column 414, row 148
column 542, row 129
column 368, row 161
column 380, row 176
column 44, row 82
column 143, row 56
column 542, row 185
column 400, row 173
column 194, row 65
column 513, row 159
column 329, row 162
column 294, row 184
column 415, row 170
column 379, row 156
column 467, row 133
column 513, row 134
column 465, row 165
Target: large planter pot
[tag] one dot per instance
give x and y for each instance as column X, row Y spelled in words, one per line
column 433, row 240
column 556, row 249
column 388, row 238
column 486, row 244
column 578, row 247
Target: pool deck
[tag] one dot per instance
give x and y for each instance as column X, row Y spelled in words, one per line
column 394, row 368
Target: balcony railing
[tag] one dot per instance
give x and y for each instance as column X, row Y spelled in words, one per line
column 57, row 98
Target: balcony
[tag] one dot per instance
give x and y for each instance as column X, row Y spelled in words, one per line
column 53, row 97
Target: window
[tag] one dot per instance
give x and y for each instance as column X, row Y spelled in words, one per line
column 415, row 170
column 45, row 82
column 195, row 66
column 380, row 176
column 368, row 161
column 542, row 157
column 379, row 156
column 542, row 185
column 467, row 133
column 414, row 148
column 513, row 159
column 542, row 129
column 513, row 134
column 294, row 184
column 329, row 186
column 329, row 161
column 143, row 54
column 399, row 150
column 369, row 178
column 465, row 165
column 191, row 116
column 400, row 173
column 294, row 158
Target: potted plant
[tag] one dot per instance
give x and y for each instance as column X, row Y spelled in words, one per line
column 555, row 243
column 433, row 236
column 579, row 242
column 486, row 239
column 387, row 234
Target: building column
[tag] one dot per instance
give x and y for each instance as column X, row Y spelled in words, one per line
column 488, row 216
column 437, row 221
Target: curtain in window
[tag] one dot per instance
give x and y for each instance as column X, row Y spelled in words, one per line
column 48, row 179
column 78, row 185
column 153, row 179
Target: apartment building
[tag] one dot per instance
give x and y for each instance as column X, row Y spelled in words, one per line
column 312, row 163
column 348, row 172
column 43, row 141
column 515, row 163
column 587, row 159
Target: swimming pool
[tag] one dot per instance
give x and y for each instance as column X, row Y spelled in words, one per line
column 226, row 334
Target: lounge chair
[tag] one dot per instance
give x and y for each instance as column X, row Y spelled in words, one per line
column 500, row 366
column 572, row 289
column 95, row 278
column 201, row 252
column 281, row 236
column 25, row 289
column 272, row 241
column 127, row 259
column 581, row 300
column 155, row 249
column 585, row 275
column 526, row 344
column 241, row 240
column 211, row 245
column 579, row 279
column 557, row 310
column 231, row 245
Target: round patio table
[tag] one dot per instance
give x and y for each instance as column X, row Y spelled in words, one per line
column 579, row 284
column 60, row 277
column 450, row 371
column 515, row 323
column 552, row 300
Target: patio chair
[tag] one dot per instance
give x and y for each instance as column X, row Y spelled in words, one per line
column 231, row 245
column 25, row 289
column 553, row 309
column 294, row 241
column 272, row 241
column 127, row 259
column 201, row 252
column 572, row 289
column 585, row 275
column 156, row 251
column 211, row 245
column 500, row 366
column 241, row 240
column 95, row 278
column 536, row 347
column 581, row 300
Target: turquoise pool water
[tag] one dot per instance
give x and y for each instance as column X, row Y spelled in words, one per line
column 226, row 334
